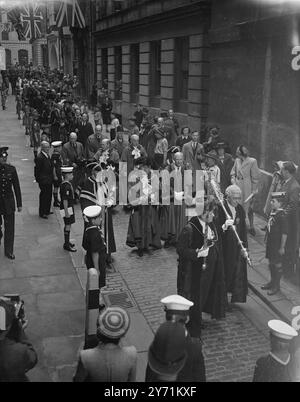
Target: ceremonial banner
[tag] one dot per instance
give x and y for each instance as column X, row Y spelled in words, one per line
column 2, row 59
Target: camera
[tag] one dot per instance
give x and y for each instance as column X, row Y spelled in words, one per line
column 19, row 305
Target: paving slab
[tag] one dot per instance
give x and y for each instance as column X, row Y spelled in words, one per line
column 139, row 333
column 63, row 350
column 61, row 301
column 42, row 273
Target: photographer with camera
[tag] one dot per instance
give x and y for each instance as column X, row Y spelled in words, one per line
column 17, row 355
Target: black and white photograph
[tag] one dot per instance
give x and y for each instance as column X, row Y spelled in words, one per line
column 150, row 193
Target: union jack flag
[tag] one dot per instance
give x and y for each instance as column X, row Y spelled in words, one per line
column 32, row 20
column 70, row 14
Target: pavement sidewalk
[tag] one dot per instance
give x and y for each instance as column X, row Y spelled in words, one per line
column 42, row 272
column 283, row 302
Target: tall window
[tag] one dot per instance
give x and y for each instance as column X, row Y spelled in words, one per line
column 134, row 72
column 104, row 68
column 4, row 35
column 8, row 57
column 23, row 57
column 101, row 9
column 118, row 72
column 155, row 72
column 181, row 74
column 117, row 6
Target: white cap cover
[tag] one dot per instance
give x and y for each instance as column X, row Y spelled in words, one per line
column 92, row 211
column 176, row 302
column 282, row 330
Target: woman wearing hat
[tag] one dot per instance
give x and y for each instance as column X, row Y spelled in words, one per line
column 109, row 362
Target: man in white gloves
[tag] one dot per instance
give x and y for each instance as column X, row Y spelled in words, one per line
column 200, row 276
column 235, row 264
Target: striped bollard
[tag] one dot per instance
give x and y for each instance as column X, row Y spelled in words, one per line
column 92, row 309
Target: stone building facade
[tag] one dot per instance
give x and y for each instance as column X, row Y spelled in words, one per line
column 155, row 53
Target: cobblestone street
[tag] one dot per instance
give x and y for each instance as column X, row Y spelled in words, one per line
column 45, row 276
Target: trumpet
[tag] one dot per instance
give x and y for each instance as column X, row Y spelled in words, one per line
column 220, row 198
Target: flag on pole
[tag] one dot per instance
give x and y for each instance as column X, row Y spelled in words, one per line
column 32, row 19
column 70, row 14
column 14, row 16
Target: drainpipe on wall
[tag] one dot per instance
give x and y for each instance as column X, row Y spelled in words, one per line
column 266, row 104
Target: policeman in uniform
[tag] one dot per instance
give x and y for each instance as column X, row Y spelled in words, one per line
column 177, row 310
column 9, row 190
column 276, row 366
column 56, row 160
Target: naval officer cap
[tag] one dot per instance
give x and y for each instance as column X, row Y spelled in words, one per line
column 177, row 303
column 282, row 330
column 67, row 169
column 92, row 212
column 3, row 152
column 56, row 144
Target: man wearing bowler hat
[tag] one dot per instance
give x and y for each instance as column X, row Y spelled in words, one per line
column 177, row 310
column 9, row 191
column 276, row 366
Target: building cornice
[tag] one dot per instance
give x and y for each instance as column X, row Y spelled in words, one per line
column 174, row 14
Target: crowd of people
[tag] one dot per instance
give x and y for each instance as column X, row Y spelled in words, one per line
column 78, row 146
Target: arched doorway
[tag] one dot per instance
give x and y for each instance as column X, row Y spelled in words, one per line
column 8, row 58
column 53, row 58
column 23, row 57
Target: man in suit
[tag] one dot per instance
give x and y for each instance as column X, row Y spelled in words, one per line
column 9, row 190
column 44, row 177
column 94, row 142
column 225, row 164
column 85, row 130
column 73, row 155
column 291, row 206
column 192, row 153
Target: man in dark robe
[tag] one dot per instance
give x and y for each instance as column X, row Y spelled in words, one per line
column 200, row 276
column 143, row 228
column 235, row 264
column 291, row 188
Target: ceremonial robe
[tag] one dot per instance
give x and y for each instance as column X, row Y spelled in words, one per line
column 205, row 288
column 235, row 265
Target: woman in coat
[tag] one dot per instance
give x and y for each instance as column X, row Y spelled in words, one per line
column 106, row 109
column 245, row 174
